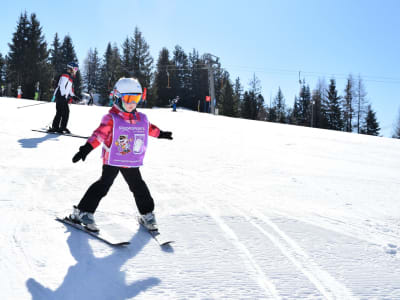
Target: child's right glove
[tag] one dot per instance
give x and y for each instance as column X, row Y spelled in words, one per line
column 82, row 153
column 165, row 135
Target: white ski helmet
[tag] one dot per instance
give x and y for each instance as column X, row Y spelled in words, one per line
column 127, row 90
column 127, row 86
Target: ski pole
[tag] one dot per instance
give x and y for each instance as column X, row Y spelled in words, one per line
column 33, row 104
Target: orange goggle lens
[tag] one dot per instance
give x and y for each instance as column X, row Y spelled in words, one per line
column 129, row 98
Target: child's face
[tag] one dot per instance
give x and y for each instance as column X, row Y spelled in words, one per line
column 129, row 107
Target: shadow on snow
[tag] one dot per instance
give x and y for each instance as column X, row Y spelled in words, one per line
column 96, row 278
column 34, row 142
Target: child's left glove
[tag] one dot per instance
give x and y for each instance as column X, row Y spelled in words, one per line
column 165, row 135
column 82, row 153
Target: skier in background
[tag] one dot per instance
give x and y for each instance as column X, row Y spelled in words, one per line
column 110, row 97
column 90, row 98
column 62, row 95
column 124, row 133
column 19, row 92
column 2, row 90
column 37, row 90
column 174, row 102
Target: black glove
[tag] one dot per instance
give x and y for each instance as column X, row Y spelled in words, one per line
column 82, row 153
column 76, row 98
column 165, row 135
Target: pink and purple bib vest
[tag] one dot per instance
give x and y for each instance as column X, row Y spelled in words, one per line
column 129, row 142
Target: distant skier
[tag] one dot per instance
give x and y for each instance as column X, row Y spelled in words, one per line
column 124, row 133
column 174, row 102
column 37, row 91
column 19, row 92
column 62, row 94
column 90, row 102
column 110, row 97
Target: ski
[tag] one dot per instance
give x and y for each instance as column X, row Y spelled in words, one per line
column 161, row 240
column 64, row 134
column 156, row 235
column 104, row 237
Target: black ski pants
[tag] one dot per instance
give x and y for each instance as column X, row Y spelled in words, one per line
column 100, row 188
column 62, row 114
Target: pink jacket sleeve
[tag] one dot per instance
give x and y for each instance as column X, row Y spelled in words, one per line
column 103, row 133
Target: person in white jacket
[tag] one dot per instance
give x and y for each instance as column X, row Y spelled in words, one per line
column 63, row 93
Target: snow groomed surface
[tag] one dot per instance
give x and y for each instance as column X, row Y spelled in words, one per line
column 258, row 210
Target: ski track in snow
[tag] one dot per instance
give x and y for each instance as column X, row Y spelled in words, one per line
column 329, row 287
column 261, row 278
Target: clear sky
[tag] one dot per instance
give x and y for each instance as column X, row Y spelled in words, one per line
column 272, row 39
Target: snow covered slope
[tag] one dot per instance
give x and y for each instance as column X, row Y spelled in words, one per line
column 257, row 210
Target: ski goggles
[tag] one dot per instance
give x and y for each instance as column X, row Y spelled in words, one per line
column 74, row 69
column 130, row 98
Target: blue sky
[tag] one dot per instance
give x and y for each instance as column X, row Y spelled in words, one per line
column 273, row 39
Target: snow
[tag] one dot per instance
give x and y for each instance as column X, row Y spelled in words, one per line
column 258, row 211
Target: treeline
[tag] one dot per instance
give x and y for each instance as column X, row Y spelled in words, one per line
column 324, row 107
column 30, row 61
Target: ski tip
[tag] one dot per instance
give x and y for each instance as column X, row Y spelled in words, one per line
column 166, row 243
column 122, row 244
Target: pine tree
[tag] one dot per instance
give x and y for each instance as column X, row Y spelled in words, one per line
column 126, row 59
column 27, row 62
column 348, row 109
column 110, row 72
column 295, row 115
column 279, row 108
column 136, row 60
column 334, row 112
column 162, row 80
column 254, row 102
column 68, row 55
column 142, row 61
column 227, row 105
column 39, row 71
column 219, row 80
column 255, row 85
column 246, row 107
column 321, row 107
column 56, row 58
column 91, row 71
column 304, row 105
column 2, row 70
column 180, row 78
column 67, row 52
column 371, row 125
column 316, row 102
column 360, row 102
column 260, row 108
column 198, row 89
column 237, row 94
column 17, row 56
column 396, row 130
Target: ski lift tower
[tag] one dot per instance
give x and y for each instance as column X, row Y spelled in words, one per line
column 211, row 61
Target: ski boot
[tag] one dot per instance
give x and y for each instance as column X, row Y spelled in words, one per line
column 52, row 130
column 84, row 218
column 149, row 221
column 64, row 131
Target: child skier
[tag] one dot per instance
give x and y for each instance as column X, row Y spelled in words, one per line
column 124, row 133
